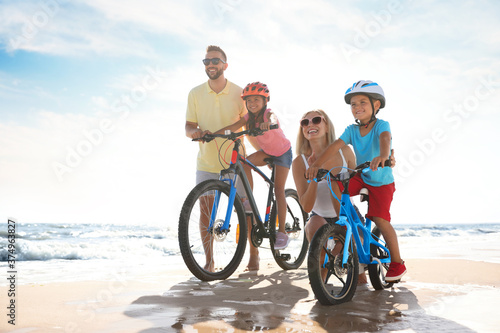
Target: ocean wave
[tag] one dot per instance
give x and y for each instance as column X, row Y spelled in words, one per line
column 33, row 250
column 454, row 230
column 88, row 241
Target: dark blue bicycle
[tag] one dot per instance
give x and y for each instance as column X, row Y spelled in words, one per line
column 213, row 223
column 337, row 249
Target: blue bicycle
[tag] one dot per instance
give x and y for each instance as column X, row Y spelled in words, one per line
column 337, row 249
column 213, row 223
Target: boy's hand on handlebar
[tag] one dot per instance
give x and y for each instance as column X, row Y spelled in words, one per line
column 380, row 162
column 376, row 162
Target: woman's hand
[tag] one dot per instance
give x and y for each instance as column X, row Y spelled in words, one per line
column 311, row 173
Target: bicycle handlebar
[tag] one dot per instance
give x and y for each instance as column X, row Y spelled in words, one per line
column 233, row 136
column 364, row 167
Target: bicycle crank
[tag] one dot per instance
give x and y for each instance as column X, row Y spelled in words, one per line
column 256, row 236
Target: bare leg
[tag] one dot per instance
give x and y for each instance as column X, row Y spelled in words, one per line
column 390, row 237
column 206, row 203
column 253, row 261
column 312, row 225
column 279, row 190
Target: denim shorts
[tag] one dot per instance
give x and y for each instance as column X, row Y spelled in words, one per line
column 284, row 160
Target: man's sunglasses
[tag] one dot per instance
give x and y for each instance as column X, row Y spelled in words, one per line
column 215, row 61
column 315, row 120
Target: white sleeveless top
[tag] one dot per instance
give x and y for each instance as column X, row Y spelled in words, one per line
column 323, row 205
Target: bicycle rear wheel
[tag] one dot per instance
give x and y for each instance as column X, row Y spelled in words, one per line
column 331, row 282
column 377, row 276
column 212, row 253
column 294, row 254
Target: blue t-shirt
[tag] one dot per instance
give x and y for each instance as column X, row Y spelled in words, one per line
column 367, row 148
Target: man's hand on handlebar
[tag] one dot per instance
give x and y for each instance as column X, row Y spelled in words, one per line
column 199, row 134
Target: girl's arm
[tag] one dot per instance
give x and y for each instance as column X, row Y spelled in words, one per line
column 237, row 125
column 267, row 122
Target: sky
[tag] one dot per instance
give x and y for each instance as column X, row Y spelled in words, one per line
column 93, row 96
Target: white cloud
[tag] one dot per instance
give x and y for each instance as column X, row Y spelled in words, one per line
column 70, row 29
column 426, row 60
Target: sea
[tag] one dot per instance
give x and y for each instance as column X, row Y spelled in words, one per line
column 46, row 252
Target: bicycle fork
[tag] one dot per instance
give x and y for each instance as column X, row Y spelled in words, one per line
column 224, row 228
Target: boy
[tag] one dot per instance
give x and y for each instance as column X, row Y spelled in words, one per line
column 371, row 141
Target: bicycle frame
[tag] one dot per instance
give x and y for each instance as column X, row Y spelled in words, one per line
column 349, row 218
column 236, row 168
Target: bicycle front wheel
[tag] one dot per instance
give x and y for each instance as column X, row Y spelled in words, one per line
column 332, row 282
column 294, row 254
column 212, row 251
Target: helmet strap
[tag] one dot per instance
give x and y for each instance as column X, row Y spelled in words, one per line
column 372, row 119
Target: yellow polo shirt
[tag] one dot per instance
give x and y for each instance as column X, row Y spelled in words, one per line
column 212, row 112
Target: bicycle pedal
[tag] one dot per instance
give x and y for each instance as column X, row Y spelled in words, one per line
column 285, row 256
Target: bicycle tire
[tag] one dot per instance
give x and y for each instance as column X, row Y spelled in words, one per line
column 228, row 248
column 376, row 277
column 338, row 284
column 294, row 254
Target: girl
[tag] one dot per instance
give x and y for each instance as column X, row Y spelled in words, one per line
column 272, row 144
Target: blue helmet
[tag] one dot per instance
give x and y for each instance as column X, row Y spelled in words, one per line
column 365, row 87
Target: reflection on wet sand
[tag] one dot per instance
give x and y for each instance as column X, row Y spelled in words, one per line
column 281, row 302
column 249, row 302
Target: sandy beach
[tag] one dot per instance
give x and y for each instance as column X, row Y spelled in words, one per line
column 445, row 295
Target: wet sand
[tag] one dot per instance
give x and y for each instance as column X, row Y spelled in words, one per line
column 437, row 295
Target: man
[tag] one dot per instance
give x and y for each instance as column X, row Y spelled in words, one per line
column 213, row 105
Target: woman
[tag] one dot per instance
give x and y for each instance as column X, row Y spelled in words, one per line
column 316, row 133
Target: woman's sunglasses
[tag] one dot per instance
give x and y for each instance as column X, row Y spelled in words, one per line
column 215, row 61
column 315, row 120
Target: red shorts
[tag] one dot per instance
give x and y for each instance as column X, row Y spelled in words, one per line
column 379, row 200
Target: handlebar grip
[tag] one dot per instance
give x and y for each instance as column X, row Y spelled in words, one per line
column 206, row 138
column 274, row 126
column 319, row 176
column 365, row 167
